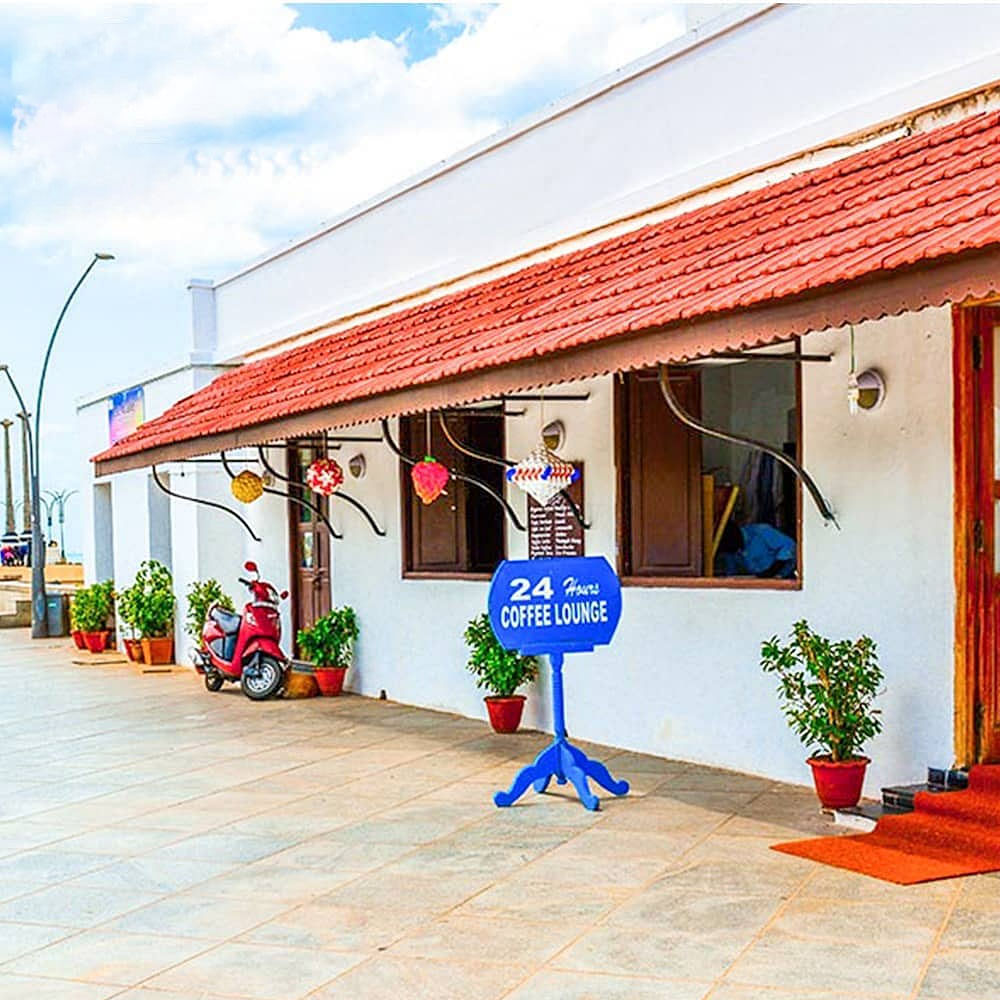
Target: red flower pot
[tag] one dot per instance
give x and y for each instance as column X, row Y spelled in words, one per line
column 159, row 650
column 78, row 639
column 838, row 783
column 505, row 713
column 96, row 642
column 330, row 679
column 133, row 650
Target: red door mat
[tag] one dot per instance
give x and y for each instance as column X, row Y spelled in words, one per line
column 947, row 834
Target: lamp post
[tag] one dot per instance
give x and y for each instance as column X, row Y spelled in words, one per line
column 57, row 501
column 39, row 621
column 10, row 527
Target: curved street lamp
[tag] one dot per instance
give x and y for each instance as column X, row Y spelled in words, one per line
column 39, row 620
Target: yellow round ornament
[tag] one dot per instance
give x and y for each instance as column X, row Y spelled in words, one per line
column 247, row 487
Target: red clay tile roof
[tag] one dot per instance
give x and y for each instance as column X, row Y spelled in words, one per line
column 907, row 201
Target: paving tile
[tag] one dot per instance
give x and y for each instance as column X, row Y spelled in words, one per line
column 551, row 984
column 267, row 972
column 111, row 957
column 787, row 962
column 187, row 914
column 488, row 940
column 523, row 899
column 389, row 978
column 30, row 988
column 149, row 874
column 322, row 924
column 17, row 939
column 653, row 952
column 666, row 905
column 73, row 906
column 962, row 974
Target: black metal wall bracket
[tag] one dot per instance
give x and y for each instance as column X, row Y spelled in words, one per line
column 205, row 503
column 505, row 463
column 472, row 480
column 340, row 494
column 779, row 456
column 288, row 496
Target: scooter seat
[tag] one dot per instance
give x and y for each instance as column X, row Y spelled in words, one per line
column 228, row 621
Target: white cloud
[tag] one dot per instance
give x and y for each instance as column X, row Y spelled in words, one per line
column 196, row 137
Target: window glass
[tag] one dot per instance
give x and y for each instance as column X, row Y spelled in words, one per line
column 697, row 506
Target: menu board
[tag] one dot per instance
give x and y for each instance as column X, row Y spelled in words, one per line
column 553, row 530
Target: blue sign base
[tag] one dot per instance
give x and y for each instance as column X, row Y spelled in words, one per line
column 561, row 760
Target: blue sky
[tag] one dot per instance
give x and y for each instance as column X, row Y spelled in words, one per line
column 189, row 145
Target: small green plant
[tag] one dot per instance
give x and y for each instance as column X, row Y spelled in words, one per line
column 201, row 595
column 125, row 610
column 827, row 690
column 91, row 607
column 329, row 642
column 152, row 606
column 501, row 671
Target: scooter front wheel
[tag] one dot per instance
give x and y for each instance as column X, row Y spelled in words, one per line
column 213, row 680
column 262, row 678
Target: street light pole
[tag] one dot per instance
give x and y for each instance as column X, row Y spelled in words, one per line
column 39, row 619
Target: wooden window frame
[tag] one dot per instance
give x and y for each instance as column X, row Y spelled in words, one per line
column 623, row 508
column 406, row 517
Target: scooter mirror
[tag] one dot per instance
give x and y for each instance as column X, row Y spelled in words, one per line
column 284, row 594
column 251, row 566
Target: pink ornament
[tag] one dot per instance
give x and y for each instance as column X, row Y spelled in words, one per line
column 324, row 476
column 429, row 479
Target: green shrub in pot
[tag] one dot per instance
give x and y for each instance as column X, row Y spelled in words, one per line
column 500, row 671
column 329, row 644
column 201, row 595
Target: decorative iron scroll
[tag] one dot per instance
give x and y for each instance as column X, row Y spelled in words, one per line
column 511, row 513
column 779, row 456
column 504, row 463
column 204, row 503
column 340, row 494
column 288, row 496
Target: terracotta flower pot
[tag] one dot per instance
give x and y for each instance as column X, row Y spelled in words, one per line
column 505, row 713
column 133, row 650
column 78, row 639
column 96, row 642
column 330, row 679
column 838, row 783
column 159, row 650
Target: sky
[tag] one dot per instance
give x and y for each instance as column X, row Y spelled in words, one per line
column 188, row 139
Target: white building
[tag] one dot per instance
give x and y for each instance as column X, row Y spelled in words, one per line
column 509, row 271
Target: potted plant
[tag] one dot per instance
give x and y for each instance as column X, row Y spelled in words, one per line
column 501, row 671
column 153, row 596
column 329, row 643
column 201, row 595
column 93, row 607
column 74, row 625
column 125, row 607
column 827, row 690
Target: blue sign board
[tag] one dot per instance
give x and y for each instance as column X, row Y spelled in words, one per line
column 555, row 605
column 126, row 411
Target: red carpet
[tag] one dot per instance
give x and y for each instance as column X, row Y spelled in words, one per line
column 947, row 834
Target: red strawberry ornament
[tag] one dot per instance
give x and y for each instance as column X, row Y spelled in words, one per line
column 429, row 479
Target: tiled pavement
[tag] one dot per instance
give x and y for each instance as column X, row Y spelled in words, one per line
column 161, row 843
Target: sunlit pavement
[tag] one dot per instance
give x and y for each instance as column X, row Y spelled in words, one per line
column 161, row 842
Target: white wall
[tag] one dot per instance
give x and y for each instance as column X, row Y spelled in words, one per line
column 682, row 677
column 707, row 112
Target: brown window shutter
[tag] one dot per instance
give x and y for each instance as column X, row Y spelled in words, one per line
column 662, row 477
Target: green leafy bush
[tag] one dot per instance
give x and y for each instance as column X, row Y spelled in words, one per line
column 329, row 642
column 501, row 671
column 201, row 595
column 827, row 690
column 90, row 610
column 153, row 600
column 125, row 609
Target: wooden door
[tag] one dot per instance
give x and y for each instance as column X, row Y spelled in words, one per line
column 310, row 540
column 977, row 492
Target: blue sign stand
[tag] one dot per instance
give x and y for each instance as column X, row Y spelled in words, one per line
column 553, row 607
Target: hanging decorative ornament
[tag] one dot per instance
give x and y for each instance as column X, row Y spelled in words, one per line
column 324, row 476
column 247, row 486
column 429, row 479
column 542, row 474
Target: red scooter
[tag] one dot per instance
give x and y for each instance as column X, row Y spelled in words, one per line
column 245, row 648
